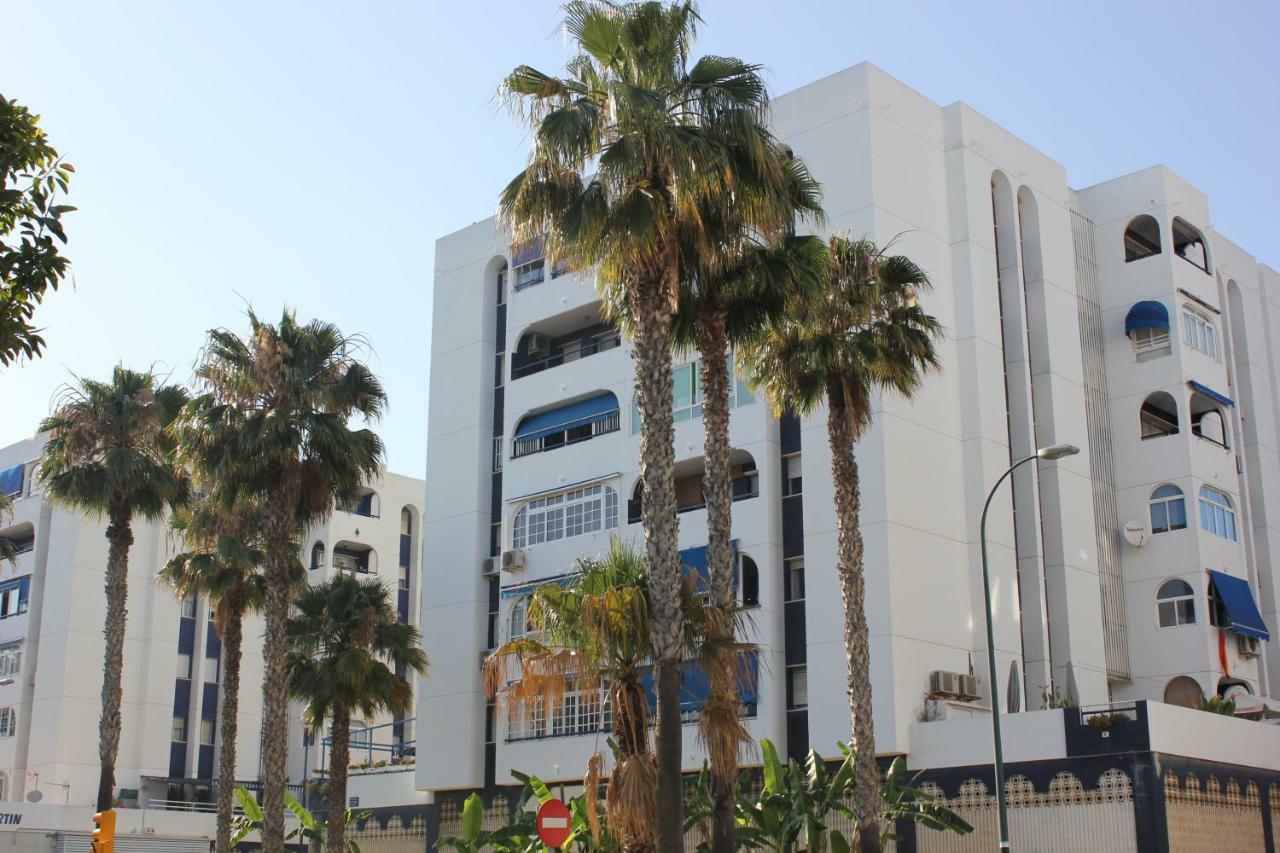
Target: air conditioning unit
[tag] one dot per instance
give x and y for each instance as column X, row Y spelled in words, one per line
column 489, row 567
column 539, row 345
column 513, row 560
column 968, row 687
column 1248, row 646
column 943, row 683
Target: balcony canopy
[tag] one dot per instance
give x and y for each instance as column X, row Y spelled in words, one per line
column 1241, row 609
column 1146, row 315
column 1210, row 393
column 11, row 481
column 567, row 417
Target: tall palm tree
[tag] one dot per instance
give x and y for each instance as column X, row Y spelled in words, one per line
column 866, row 333
column 660, row 137
column 272, row 425
column 729, row 300
column 341, row 638
column 110, row 453
column 225, row 548
column 595, row 629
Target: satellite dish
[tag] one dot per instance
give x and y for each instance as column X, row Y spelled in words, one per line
column 1136, row 533
column 35, row 796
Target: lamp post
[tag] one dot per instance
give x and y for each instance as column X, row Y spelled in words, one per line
column 1055, row 451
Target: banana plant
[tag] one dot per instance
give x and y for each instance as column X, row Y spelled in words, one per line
column 521, row 834
column 309, row 829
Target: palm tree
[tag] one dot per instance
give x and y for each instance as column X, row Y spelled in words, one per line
column 8, row 551
column 661, row 138
column 730, row 300
column 595, row 629
column 866, row 333
column 225, row 550
column 341, row 638
column 110, row 453
column 272, row 426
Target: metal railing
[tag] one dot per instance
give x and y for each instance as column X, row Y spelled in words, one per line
column 369, row 740
column 609, row 422
column 600, row 343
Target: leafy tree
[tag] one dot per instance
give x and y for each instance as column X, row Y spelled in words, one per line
column 866, row 333
column 32, row 177
column 110, row 453
column 341, row 638
column 309, row 829
column 657, row 137
column 225, row 551
column 272, row 425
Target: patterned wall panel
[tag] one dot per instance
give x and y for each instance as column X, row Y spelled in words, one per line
column 1208, row 816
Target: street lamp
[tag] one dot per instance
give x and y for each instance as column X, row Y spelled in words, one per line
column 1053, row 451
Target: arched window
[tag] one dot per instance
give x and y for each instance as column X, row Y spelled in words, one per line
column 1176, row 602
column 1184, row 691
column 1217, row 516
column 518, row 622
column 750, row 581
column 1210, row 426
column 1188, row 244
column 1141, row 238
column 1158, row 416
column 317, row 555
column 1147, row 326
column 1168, row 509
column 555, row 517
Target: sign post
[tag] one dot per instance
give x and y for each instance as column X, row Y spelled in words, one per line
column 553, row 823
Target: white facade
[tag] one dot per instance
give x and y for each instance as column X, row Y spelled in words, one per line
column 1033, row 291
column 167, row 756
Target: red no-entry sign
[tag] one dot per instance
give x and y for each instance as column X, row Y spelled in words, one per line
column 553, row 823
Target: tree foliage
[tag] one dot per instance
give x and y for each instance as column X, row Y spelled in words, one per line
column 33, row 177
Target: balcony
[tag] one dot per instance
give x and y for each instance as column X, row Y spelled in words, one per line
column 570, row 423
column 744, row 481
column 565, row 338
column 354, row 557
column 367, row 504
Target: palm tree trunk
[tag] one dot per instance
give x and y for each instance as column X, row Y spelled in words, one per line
column 632, row 819
column 844, row 475
column 339, row 759
column 275, row 700
column 119, row 540
column 652, row 354
column 722, row 706
column 231, row 650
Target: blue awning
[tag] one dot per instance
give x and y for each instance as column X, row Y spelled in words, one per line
column 567, row 417
column 1146, row 315
column 529, row 586
column 695, row 687
column 1242, row 610
column 1209, row 392
column 528, row 252
column 11, row 481
column 695, row 560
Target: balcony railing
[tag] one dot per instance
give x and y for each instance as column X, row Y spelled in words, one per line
column 600, row 343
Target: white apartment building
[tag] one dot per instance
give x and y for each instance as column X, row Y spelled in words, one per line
column 51, row 613
column 1111, row 317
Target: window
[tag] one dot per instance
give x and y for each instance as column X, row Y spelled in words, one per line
column 1150, row 342
column 1218, row 615
column 1168, row 509
column 22, row 539
column 11, row 660
column 308, row 736
column 189, row 606
column 184, row 665
column 578, row 712
column 1199, row 333
column 574, row 513
column 519, row 620
column 566, row 424
column 1189, row 245
column 1216, row 513
column 13, row 600
column 791, row 475
column 686, row 394
column 794, row 579
column 1176, row 603
column 530, row 274
column 1158, row 416
column 526, row 720
column 206, row 732
column 317, row 555
column 750, row 581
column 797, row 688
column 560, row 267
column 212, row 668
column 1141, row 238
column 179, row 732
column 1210, row 426
column 361, row 734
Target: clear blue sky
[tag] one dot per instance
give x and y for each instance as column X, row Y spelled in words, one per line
column 310, row 153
